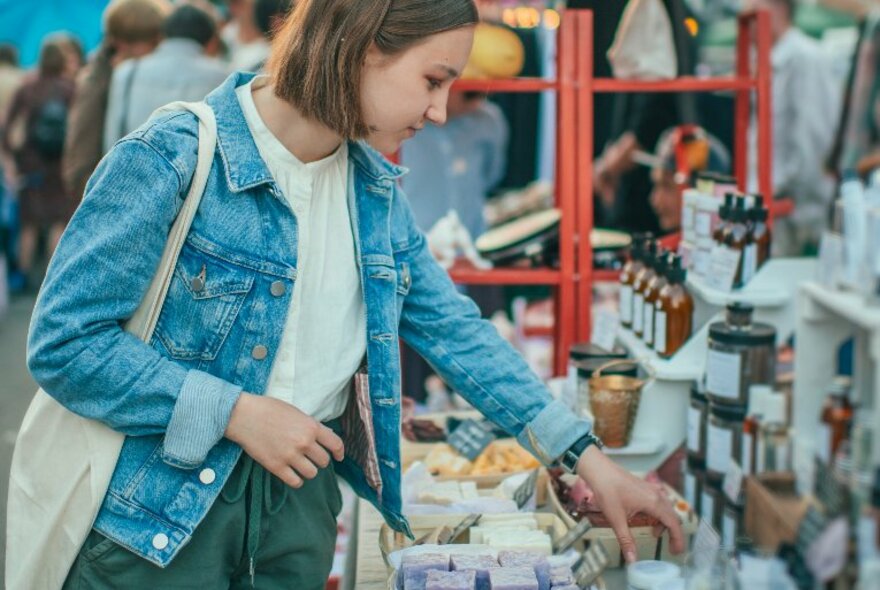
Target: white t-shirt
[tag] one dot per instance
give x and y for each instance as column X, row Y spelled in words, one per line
column 324, row 338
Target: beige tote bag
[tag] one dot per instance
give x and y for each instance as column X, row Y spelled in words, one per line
column 644, row 46
column 62, row 463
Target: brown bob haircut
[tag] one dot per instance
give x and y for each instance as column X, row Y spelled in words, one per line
column 318, row 54
column 134, row 21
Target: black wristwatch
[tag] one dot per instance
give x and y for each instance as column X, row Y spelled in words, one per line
column 570, row 458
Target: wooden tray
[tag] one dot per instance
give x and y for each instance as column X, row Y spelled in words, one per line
column 647, row 545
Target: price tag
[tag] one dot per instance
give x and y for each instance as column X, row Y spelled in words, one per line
column 605, row 327
column 526, row 490
column 572, row 537
column 733, row 480
column 471, row 438
column 590, row 565
column 830, row 260
column 448, row 537
column 723, row 265
column 706, row 545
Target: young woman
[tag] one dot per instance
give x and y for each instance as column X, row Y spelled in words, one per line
column 279, row 334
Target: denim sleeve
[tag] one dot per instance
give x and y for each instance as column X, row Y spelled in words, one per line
column 447, row 330
column 77, row 349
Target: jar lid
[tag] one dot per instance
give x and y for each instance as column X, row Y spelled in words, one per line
column 645, row 575
column 587, row 350
column 728, row 413
column 750, row 335
column 586, row 369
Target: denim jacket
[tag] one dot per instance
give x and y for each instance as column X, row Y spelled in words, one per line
column 218, row 337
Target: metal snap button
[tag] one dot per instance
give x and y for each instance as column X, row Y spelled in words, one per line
column 207, row 476
column 197, row 284
column 278, row 289
column 160, row 541
column 260, row 352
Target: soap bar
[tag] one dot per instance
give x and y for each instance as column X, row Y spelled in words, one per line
column 567, row 587
column 561, row 576
column 437, row 580
column 414, row 569
column 513, row 578
column 537, row 562
column 480, row 564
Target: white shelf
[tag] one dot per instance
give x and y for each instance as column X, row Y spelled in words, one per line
column 775, row 284
column 826, row 319
column 687, row 364
column 638, row 446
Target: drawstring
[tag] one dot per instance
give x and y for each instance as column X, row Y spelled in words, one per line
column 259, row 481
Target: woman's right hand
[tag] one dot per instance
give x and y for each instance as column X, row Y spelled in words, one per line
column 288, row 443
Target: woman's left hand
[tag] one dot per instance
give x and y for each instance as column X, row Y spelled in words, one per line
column 621, row 495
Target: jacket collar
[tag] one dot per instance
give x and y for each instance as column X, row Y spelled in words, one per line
column 245, row 168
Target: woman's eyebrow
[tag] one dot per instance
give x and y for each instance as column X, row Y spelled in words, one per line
column 453, row 73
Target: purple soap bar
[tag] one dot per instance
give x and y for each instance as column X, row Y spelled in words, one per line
column 567, row 587
column 437, row 580
column 561, row 576
column 535, row 561
column 481, row 564
column 513, row 578
column 414, row 569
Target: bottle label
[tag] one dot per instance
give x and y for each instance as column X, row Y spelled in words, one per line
column 781, row 455
column 660, row 331
column 719, row 448
column 761, row 456
column 707, row 507
column 823, row 443
column 648, row 325
column 703, row 224
column 747, row 448
column 690, row 489
column 728, row 531
column 638, row 312
column 750, row 263
column 695, row 418
column 723, row 374
column 626, row 304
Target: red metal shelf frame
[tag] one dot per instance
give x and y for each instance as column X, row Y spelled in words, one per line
column 575, row 87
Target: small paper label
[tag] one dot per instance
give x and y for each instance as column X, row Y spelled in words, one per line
column 660, row 331
column 707, row 507
column 526, row 490
column 723, row 266
column 649, row 323
column 590, row 565
column 471, row 438
column 703, row 225
column 723, row 371
column 606, row 324
column 448, row 537
column 695, row 420
column 571, row 537
column 626, row 304
column 750, row 263
column 690, row 489
column 719, row 448
column 638, row 312
column 823, row 443
column 747, row 450
column 733, row 481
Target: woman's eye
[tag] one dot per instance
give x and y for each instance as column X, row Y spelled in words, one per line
column 434, row 84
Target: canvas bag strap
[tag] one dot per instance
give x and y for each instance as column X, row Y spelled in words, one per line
column 143, row 322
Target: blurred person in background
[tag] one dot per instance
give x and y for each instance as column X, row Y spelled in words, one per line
column 74, row 55
column 806, row 105
column 178, row 69
column 269, row 16
column 246, row 43
column 11, row 76
column 132, row 29
column 40, row 105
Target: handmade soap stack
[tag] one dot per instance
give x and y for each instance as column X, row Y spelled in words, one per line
column 512, row 532
column 513, row 570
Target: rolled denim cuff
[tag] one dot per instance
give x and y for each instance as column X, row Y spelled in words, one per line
column 552, row 432
column 199, row 419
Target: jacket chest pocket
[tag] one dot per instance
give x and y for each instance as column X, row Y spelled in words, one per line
column 204, row 299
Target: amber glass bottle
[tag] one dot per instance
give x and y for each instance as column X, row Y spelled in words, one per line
column 724, row 212
column 673, row 318
column 652, row 295
column 737, row 236
column 640, row 283
column 837, row 418
column 632, row 268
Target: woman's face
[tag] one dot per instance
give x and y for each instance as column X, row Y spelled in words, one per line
column 400, row 94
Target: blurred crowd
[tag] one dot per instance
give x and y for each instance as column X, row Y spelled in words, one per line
column 58, row 119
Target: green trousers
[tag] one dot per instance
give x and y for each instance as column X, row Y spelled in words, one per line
column 259, row 534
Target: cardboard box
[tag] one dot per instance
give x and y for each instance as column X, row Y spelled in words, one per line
column 773, row 509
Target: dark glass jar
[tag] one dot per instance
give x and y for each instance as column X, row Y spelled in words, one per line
column 697, row 420
column 723, row 441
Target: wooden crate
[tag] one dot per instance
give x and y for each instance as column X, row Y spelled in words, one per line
column 647, row 545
